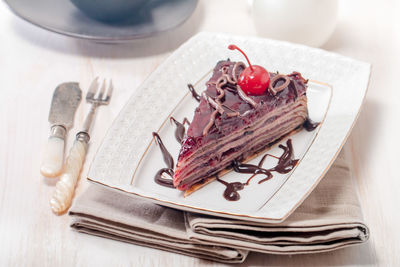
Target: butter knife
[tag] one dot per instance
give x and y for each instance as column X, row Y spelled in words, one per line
column 66, row 99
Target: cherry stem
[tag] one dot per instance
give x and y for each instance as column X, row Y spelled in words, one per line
column 233, row 47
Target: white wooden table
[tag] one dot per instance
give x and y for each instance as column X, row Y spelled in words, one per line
column 33, row 61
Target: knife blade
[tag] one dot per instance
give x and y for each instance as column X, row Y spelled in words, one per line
column 66, row 99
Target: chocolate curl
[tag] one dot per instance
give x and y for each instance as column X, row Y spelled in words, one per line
column 217, row 106
column 216, row 103
column 235, row 67
column 245, row 98
column 298, row 76
column 210, row 123
column 274, row 90
column 221, row 82
column 226, row 75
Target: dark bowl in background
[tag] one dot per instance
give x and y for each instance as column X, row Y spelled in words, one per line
column 109, row 10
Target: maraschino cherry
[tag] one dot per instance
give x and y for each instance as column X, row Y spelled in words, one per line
column 253, row 80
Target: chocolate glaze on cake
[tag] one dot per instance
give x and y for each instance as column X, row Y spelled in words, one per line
column 235, row 126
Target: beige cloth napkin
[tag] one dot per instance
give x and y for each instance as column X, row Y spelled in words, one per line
column 110, row 214
column 330, row 218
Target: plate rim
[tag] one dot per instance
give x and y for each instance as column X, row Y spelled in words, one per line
column 96, row 38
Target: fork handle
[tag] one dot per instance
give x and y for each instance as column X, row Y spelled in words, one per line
column 65, row 187
column 53, row 156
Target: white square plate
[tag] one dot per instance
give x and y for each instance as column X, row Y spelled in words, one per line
column 128, row 158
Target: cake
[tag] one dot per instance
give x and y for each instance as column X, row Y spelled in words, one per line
column 233, row 122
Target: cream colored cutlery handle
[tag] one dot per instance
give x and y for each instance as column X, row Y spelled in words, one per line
column 53, row 157
column 65, row 187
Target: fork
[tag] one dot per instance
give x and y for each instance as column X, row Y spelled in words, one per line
column 65, row 187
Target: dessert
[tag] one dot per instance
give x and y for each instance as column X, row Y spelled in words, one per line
column 242, row 111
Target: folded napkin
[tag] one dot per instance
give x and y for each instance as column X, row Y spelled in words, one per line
column 329, row 218
column 110, row 214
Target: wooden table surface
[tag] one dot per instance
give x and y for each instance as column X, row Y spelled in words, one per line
column 33, row 61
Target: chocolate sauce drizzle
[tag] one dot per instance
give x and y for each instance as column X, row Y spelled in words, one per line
column 230, row 192
column 180, row 128
column 158, row 178
column 169, row 161
column 194, row 93
column 285, row 164
column 310, row 125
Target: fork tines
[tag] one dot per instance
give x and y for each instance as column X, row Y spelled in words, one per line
column 96, row 92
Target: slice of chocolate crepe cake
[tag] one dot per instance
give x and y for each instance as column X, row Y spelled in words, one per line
column 229, row 124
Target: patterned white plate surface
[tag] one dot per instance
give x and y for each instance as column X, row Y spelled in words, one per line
column 126, row 162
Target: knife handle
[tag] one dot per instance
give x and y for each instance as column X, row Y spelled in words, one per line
column 65, row 187
column 53, row 156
